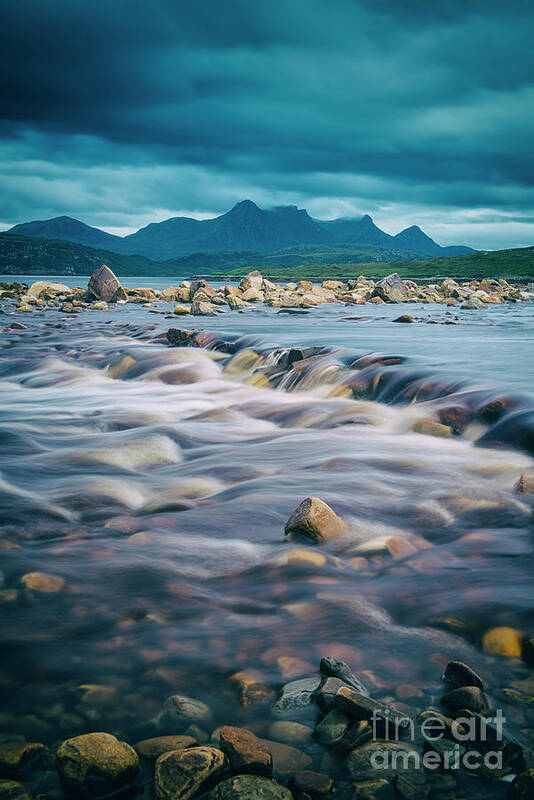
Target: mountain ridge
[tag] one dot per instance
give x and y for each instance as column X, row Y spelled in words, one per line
column 245, row 226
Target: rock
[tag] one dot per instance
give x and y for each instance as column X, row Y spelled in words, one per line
column 16, row 758
column 358, row 734
column 459, row 674
column 251, row 687
column 399, row 547
column 392, row 289
column 314, row 784
column 470, row 697
column 327, row 691
column 332, row 728
column 393, row 756
column 104, row 285
column 306, row 558
column 378, row 789
column 95, row 764
column 202, row 309
column 335, row 668
column 40, row 288
column 315, row 520
column 179, row 709
column 290, row 732
column 404, row 318
column 250, row 787
column 254, row 280
column 99, row 305
column 522, row 787
column 245, row 752
column 432, row 428
column 359, row 706
column 286, row 759
column 42, row 582
column 182, row 774
column 12, row 790
column 296, row 695
column 527, row 651
column 179, row 310
column 151, row 749
column 525, row 484
column 472, row 304
column 503, row 642
column 68, row 308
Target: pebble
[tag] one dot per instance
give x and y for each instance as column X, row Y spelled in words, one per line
column 332, row 728
column 314, row 520
column 249, row 787
column 470, row 697
column 459, row 674
column 151, row 749
column 286, row 759
column 245, row 752
column 43, row 582
column 296, row 695
column 291, row 732
column 181, row 709
column 251, row 687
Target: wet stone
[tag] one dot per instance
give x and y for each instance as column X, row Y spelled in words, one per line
column 245, row 752
column 182, row 710
column 314, row 784
column 502, row 641
column 459, row 674
column 251, row 687
column 16, row 758
column 151, row 749
column 290, row 732
column 336, row 668
column 359, row 733
column 358, row 706
column 314, row 520
column 286, row 759
column 42, row 582
column 95, row 764
column 469, row 697
column 378, row 789
column 394, row 758
column 332, row 728
column 12, row 790
column 325, row 694
column 186, row 773
column 296, row 695
column 250, row 787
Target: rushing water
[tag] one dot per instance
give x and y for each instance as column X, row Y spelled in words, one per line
column 156, row 482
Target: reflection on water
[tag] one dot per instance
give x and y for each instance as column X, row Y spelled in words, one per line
column 154, row 483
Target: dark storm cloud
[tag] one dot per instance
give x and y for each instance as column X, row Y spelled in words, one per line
column 123, row 111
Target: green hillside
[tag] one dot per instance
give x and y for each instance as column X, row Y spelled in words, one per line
column 26, row 256
column 516, row 263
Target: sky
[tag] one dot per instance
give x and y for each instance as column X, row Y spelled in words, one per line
column 121, row 112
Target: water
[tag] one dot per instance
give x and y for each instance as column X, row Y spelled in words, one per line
column 156, row 483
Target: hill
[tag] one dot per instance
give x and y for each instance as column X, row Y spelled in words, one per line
column 514, row 263
column 27, row 256
column 246, row 227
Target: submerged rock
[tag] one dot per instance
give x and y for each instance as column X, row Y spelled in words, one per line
column 503, row 641
column 315, row 520
column 470, row 697
column 182, row 774
column 312, row 784
column 245, row 752
column 95, row 764
column 17, row 757
column 181, row 709
column 296, row 695
column 251, row 687
column 151, row 749
column 335, row 668
column 459, row 674
column 42, row 582
column 250, row 787
column 12, row 790
column 525, row 484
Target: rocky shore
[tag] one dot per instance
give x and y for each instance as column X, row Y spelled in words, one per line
column 369, row 743
column 198, row 298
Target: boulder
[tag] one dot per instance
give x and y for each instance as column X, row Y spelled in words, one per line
column 104, row 285
column 201, row 308
column 249, row 787
column 95, row 764
column 182, row 774
column 392, row 289
column 315, row 520
column 245, row 752
column 254, row 280
column 40, row 288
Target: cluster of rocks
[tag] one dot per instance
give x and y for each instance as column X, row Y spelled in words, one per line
column 366, row 747
column 197, row 297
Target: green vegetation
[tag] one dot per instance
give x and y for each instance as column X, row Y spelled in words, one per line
column 517, row 263
column 27, row 256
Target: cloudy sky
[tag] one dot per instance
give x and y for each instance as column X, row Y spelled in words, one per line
column 121, row 112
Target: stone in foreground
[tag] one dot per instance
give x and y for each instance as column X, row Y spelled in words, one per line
column 95, row 764
column 245, row 752
column 250, row 787
column 315, row 520
column 104, row 284
column 459, row 674
column 182, row 774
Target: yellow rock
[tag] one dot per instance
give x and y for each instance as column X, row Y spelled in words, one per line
column 502, row 642
column 358, row 562
column 43, row 582
column 431, row 428
column 120, row 366
column 306, row 557
column 251, row 687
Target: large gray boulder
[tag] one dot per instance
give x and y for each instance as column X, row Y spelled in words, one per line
column 104, row 285
column 392, row 289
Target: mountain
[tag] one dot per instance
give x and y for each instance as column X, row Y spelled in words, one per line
column 68, row 229
column 246, row 227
